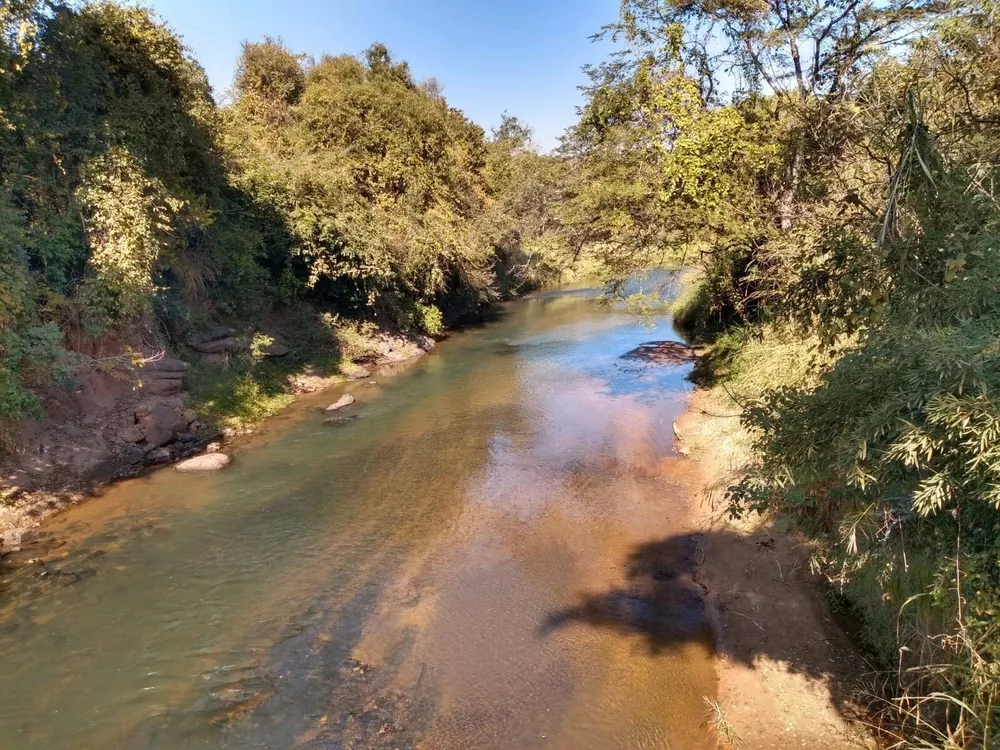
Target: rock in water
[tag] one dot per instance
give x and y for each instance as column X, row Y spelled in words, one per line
column 346, row 400
column 340, row 421
column 661, row 353
column 205, row 462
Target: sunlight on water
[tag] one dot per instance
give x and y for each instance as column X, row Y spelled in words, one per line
column 493, row 555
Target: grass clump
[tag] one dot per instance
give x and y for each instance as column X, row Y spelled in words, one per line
column 723, row 727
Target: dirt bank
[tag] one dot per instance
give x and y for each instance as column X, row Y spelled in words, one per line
column 787, row 673
column 135, row 414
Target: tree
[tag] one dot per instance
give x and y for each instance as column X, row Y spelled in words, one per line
column 793, row 47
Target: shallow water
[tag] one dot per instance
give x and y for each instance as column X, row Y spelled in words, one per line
column 495, row 554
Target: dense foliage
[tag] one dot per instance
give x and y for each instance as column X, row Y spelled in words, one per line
column 831, row 170
column 133, row 208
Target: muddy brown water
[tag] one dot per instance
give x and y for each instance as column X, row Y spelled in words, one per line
column 495, row 554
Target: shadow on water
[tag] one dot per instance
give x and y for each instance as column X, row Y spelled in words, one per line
column 665, row 604
column 237, row 610
column 662, row 603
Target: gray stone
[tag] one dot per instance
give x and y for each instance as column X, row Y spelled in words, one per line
column 353, row 371
column 133, row 454
column 205, row 462
column 219, row 332
column 158, row 456
column 164, row 377
column 130, row 434
column 339, row 421
column 219, row 346
column 216, row 340
column 160, row 424
column 276, row 348
column 165, row 366
column 190, row 415
column 10, row 541
column 163, row 386
column 346, row 400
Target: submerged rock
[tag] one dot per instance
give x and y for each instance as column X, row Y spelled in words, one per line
column 346, row 400
column 340, row 421
column 661, row 353
column 205, row 462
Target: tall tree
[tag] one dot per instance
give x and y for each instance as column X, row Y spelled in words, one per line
column 801, row 47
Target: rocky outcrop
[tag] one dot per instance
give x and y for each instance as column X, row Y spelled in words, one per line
column 163, row 377
column 129, row 434
column 114, row 422
column 159, row 423
column 215, row 341
column 107, row 426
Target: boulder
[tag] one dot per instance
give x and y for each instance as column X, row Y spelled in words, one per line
column 133, row 455
column 166, row 365
column 159, row 456
column 346, row 400
column 205, row 462
column 213, row 334
column 164, row 377
column 159, row 424
column 130, row 434
column 277, row 347
column 661, row 353
column 220, row 346
column 216, row 340
column 353, row 371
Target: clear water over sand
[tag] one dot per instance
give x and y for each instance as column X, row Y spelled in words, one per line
column 493, row 555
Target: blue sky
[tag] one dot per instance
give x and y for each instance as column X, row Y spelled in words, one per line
column 490, row 55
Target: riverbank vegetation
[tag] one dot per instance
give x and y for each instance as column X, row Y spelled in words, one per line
column 135, row 210
column 826, row 172
column 829, row 173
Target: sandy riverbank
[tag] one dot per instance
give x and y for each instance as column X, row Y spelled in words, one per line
column 787, row 673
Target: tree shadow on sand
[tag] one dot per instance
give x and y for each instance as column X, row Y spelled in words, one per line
column 663, row 602
column 762, row 606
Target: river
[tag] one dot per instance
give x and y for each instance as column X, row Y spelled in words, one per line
column 497, row 553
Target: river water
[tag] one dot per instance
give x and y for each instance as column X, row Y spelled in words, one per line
column 497, row 553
